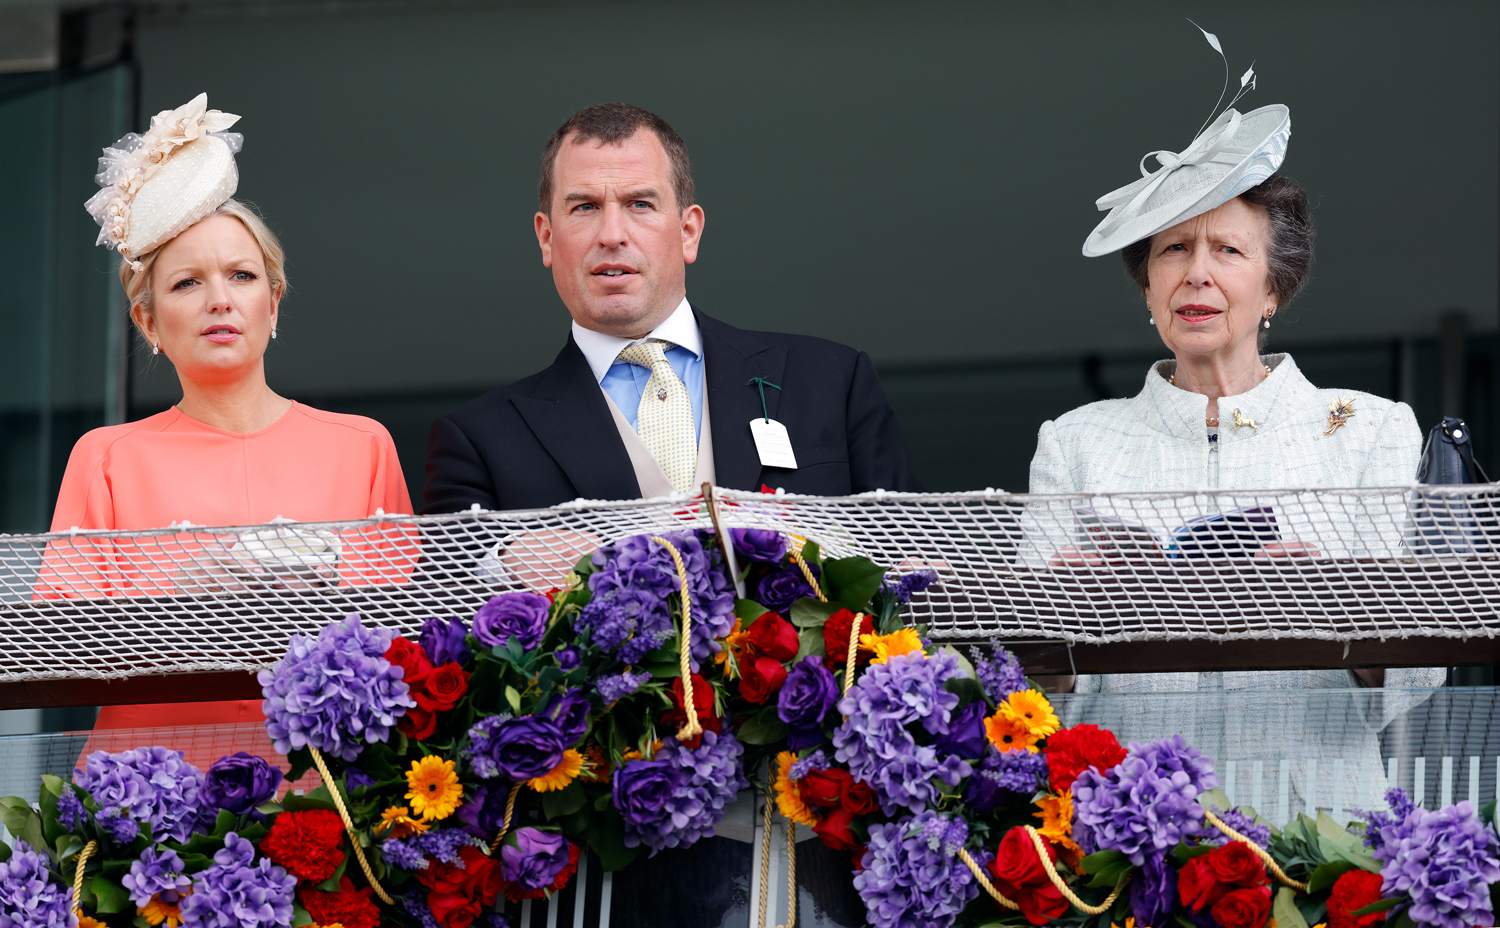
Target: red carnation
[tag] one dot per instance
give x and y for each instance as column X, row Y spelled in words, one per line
column 836, row 638
column 515, row 893
column 772, row 636
column 349, row 907
column 1020, row 877
column 1354, row 890
column 761, row 678
column 309, row 844
column 703, row 699
column 442, row 688
column 409, row 656
column 1074, row 750
column 1244, row 908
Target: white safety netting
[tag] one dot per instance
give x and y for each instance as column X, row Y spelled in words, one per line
column 1333, row 564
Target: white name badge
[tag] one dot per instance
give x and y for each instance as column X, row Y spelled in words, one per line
column 772, row 443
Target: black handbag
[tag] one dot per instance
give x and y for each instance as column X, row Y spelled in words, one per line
column 1451, row 523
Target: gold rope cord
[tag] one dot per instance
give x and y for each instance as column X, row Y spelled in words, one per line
column 811, row 580
column 83, row 858
column 338, row 802
column 1260, row 852
column 510, row 808
column 853, row 651
column 984, row 881
column 692, row 728
column 1068, row 894
column 765, row 863
column 791, row 875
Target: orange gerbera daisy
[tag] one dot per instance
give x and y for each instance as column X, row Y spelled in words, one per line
column 900, row 641
column 433, row 788
column 734, row 646
column 398, row 820
column 560, row 776
column 788, row 797
column 157, row 912
column 1007, row 734
column 1057, row 826
column 88, row 921
column 1031, row 708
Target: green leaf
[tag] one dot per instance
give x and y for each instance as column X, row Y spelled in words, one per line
column 300, row 916
column 1285, row 910
column 111, row 896
column 5, row 852
column 748, row 610
column 851, row 581
column 809, row 613
column 331, row 885
column 809, row 641
column 1215, row 799
column 51, row 828
column 811, row 553
column 1105, row 867
column 1404, row 920
column 140, row 922
column 316, row 799
column 1326, row 874
column 763, row 728
column 606, row 835
column 514, row 698
column 1379, row 906
column 967, row 689
column 564, row 802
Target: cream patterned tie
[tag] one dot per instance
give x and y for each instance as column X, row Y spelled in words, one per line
column 664, row 419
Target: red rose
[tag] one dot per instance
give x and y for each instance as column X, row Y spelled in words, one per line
column 1074, row 750
column 1197, row 886
column 860, row 799
column 703, row 698
column 412, row 660
column 1020, row 877
column 834, row 830
column 481, row 874
column 1235, row 863
column 349, row 907
column 418, row 724
column 825, row 787
column 772, row 636
column 309, row 844
column 761, row 678
column 442, row 688
column 836, row 638
column 1354, row 890
column 453, row 910
column 1243, row 908
column 443, row 877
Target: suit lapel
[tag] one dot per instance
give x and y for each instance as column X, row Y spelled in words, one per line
column 731, row 357
column 569, row 416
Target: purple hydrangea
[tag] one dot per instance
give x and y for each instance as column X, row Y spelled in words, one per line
column 238, row 891
column 1445, row 862
column 532, row 859
column 812, row 763
column 1145, row 805
column 759, row 544
column 1153, row 892
column 515, row 748
column 156, row 871
column 29, row 897
column 445, row 641
column 906, row 882
column 613, row 687
column 876, row 740
column 439, row 844
column 334, row 693
column 945, row 834
column 239, row 782
column 70, row 810
column 1245, row 824
column 518, row 615
column 1004, row 776
column 400, row 853
column 779, row 588
column 147, row 786
column 681, row 795
column 904, row 586
column 629, row 611
column 805, row 700
column 1000, row 673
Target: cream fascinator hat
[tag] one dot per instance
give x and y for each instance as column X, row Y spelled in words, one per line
column 157, row 185
column 1233, row 153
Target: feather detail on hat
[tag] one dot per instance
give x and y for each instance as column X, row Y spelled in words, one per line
column 154, row 186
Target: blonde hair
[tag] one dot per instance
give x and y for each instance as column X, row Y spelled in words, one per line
column 137, row 284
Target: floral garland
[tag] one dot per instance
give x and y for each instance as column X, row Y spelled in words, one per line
column 476, row 762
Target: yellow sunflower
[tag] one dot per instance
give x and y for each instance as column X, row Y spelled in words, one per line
column 1030, row 708
column 400, row 823
column 157, row 912
column 433, row 788
column 1007, row 734
column 900, row 641
column 788, row 797
column 560, row 776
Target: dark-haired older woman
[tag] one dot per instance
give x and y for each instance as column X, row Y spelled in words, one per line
column 1217, row 251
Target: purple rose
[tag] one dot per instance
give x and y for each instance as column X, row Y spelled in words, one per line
column 238, row 783
column 568, row 659
column 965, row 736
column 483, row 811
column 570, row 713
column 759, row 544
column 356, row 778
column 805, row 699
column 535, row 860
column 642, row 789
column 784, row 586
column 444, row 642
column 522, row 616
column 515, row 749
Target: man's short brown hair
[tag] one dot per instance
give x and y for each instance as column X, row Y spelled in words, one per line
column 613, row 123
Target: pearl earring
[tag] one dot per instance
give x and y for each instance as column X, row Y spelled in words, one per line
column 273, row 331
column 155, row 348
column 1267, row 323
column 1150, row 319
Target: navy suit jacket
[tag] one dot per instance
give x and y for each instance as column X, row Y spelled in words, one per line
column 549, row 438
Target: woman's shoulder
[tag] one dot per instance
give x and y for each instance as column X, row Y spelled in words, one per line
column 95, row 444
column 341, row 423
column 1083, row 421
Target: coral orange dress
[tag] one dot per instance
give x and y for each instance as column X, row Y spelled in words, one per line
column 308, row 466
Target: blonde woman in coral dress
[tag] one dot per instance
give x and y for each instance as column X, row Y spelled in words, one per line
column 205, row 287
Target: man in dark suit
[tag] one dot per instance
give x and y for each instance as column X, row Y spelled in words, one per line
column 618, row 226
column 651, row 396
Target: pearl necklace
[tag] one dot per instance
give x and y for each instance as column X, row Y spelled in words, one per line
column 1212, row 421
